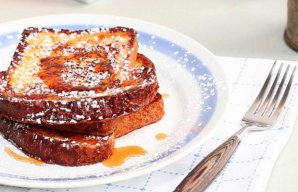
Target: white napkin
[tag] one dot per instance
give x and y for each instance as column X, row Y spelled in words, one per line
column 250, row 168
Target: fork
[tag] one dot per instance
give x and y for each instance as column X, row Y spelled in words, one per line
column 262, row 115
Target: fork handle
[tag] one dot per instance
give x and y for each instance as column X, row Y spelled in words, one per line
column 206, row 171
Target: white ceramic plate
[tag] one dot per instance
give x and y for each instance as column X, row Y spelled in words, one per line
column 186, row 71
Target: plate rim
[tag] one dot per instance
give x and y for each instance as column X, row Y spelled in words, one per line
column 204, row 135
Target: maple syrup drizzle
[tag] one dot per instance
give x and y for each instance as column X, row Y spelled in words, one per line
column 161, row 136
column 22, row 158
column 165, row 95
column 122, row 153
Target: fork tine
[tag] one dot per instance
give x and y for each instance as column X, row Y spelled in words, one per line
column 264, row 105
column 278, row 93
column 284, row 97
column 260, row 96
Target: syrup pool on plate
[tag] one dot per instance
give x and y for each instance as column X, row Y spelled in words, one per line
column 23, row 158
column 121, row 154
column 161, row 136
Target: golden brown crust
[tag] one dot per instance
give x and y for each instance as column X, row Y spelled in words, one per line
column 145, row 116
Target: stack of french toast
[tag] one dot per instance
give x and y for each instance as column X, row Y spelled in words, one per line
column 68, row 94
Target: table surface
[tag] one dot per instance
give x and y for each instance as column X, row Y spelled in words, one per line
column 227, row 28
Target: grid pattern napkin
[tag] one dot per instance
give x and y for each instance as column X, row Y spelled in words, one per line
column 250, row 167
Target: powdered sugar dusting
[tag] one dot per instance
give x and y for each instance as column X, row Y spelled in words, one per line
column 116, row 47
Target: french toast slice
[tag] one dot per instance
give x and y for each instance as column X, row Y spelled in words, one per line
column 56, row 147
column 74, row 149
column 119, row 125
column 68, row 77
